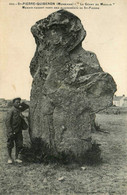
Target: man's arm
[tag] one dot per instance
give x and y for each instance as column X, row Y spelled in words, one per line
column 23, row 106
column 8, row 123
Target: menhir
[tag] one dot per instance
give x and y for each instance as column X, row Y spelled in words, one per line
column 69, row 86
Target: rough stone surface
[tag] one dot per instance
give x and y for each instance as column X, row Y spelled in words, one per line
column 69, row 86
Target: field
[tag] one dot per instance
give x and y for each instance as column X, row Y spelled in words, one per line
column 107, row 178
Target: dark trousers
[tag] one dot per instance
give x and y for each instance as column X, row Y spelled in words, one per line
column 16, row 139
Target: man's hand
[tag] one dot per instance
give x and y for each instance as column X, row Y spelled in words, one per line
column 23, row 106
column 10, row 135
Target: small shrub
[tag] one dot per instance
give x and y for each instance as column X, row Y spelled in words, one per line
column 40, row 152
column 93, row 156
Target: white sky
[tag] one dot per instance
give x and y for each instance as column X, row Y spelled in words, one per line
column 106, row 36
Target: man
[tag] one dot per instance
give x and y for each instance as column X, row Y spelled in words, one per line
column 14, row 130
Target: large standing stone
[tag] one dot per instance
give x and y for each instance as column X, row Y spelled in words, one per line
column 69, row 86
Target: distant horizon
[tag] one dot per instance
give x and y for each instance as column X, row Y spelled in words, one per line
column 22, row 98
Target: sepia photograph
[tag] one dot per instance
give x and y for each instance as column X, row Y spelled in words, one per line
column 63, row 97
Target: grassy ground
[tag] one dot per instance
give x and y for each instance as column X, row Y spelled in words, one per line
column 108, row 178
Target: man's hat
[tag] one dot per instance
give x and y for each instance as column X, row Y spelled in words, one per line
column 17, row 98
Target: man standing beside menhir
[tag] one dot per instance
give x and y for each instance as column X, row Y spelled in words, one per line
column 15, row 123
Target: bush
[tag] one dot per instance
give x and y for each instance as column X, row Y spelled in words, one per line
column 40, row 152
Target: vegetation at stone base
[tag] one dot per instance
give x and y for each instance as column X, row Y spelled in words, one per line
column 40, row 152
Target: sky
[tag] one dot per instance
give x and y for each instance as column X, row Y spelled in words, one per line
column 106, row 37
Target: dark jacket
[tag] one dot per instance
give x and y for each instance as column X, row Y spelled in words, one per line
column 13, row 121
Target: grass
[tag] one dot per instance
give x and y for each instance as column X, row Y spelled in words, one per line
column 46, row 178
